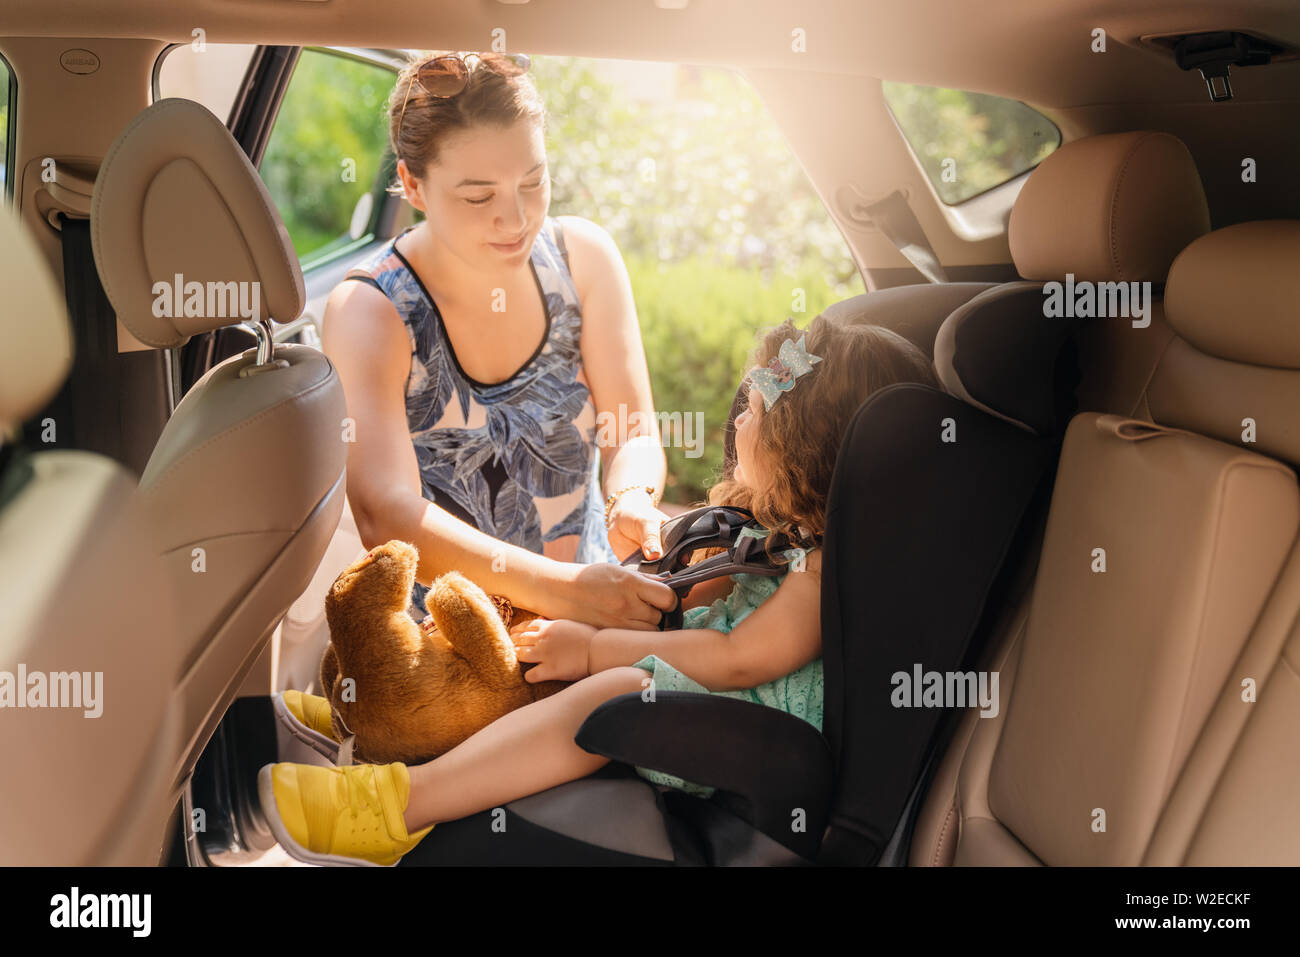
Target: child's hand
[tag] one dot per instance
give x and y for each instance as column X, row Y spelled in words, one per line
column 558, row 648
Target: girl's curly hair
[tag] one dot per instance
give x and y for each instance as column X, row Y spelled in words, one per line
column 799, row 437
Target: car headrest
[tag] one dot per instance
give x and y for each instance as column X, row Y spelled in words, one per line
column 1233, row 293
column 999, row 353
column 176, row 203
column 34, row 327
column 1117, row 207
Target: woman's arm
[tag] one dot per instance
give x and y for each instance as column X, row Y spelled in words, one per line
column 613, row 359
column 779, row 636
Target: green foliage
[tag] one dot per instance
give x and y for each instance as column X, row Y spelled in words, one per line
column 717, row 231
column 990, row 139
column 332, row 112
column 704, row 174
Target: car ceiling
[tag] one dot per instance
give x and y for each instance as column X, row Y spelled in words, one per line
column 1039, row 52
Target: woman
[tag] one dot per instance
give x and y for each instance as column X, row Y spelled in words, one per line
column 476, row 351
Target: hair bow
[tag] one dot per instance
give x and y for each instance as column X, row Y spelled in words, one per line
column 792, row 361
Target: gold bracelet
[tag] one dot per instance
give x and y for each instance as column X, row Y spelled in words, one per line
column 609, row 502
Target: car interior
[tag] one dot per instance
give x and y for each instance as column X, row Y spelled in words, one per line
column 1102, row 511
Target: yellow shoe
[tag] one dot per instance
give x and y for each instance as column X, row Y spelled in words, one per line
column 307, row 718
column 349, row 815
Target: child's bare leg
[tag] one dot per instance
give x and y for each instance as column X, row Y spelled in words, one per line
column 526, row 751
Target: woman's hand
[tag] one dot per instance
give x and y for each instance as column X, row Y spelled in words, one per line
column 601, row 594
column 635, row 525
column 558, row 649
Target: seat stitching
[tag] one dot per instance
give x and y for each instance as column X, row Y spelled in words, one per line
column 1146, row 386
column 943, row 834
column 1119, row 182
column 1232, row 749
column 259, row 189
column 1287, row 661
column 1170, row 771
column 162, row 106
column 1220, row 495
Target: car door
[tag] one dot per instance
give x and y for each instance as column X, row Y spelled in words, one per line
column 312, row 120
column 326, row 162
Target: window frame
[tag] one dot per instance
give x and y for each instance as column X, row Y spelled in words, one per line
column 11, row 126
column 324, row 256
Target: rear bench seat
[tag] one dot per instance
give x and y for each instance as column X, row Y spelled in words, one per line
column 1149, row 711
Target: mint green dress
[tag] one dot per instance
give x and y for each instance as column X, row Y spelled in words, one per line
column 801, row 693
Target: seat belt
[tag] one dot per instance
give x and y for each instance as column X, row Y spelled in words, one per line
column 894, row 217
column 83, row 419
column 730, row 527
column 111, row 403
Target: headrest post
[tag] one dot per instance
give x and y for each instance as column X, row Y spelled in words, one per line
column 266, row 360
column 265, row 341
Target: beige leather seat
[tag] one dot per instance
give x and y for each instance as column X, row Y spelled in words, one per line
column 1150, row 681
column 83, row 784
column 246, row 484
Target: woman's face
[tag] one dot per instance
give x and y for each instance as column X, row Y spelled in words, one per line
column 489, row 187
column 749, row 465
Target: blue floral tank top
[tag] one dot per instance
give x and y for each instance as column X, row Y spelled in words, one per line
column 515, row 459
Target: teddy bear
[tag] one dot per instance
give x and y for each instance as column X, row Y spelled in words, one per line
column 411, row 691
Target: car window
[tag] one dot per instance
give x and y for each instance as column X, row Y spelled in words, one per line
column 327, row 150
column 208, row 73
column 968, row 143
column 719, row 226
column 329, row 143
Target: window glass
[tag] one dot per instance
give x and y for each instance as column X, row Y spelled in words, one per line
column 721, row 229
column 968, row 143
column 327, row 149
column 209, row 73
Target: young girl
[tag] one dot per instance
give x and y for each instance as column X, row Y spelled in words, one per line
column 747, row 636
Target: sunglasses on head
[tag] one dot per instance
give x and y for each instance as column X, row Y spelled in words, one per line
column 446, row 75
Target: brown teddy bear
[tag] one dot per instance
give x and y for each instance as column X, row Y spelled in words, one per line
column 418, row 690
